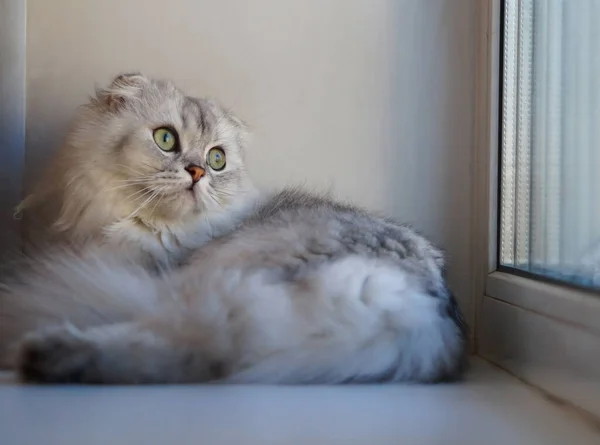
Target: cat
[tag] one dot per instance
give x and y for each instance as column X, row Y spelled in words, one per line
column 288, row 287
column 108, row 185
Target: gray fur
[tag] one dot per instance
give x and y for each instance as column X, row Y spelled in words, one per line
column 284, row 243
column 287, row 288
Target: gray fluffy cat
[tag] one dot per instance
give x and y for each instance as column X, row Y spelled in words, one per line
column 286, row 288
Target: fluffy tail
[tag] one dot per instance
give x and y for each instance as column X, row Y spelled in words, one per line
column 66, row 287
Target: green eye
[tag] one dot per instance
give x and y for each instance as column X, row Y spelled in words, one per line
column 216, row 158
column 165, row 138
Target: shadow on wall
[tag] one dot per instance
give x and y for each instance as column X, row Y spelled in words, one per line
column 430, row 127
column 12, row 119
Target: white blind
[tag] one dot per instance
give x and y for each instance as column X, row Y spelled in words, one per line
column 550, row 178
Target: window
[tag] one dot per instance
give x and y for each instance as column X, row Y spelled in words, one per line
column 549, row 223
column 540, row 92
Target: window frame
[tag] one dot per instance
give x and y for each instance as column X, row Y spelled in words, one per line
column 517, row 314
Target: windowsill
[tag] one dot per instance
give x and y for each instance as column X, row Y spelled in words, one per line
column 546, row 334
column 560, row 302
column 490, row 407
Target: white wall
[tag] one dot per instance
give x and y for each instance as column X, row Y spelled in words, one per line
column 370, row 98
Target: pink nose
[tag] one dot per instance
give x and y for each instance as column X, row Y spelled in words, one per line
column 195, row 172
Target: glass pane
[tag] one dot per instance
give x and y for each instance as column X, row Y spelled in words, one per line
column 550, row 159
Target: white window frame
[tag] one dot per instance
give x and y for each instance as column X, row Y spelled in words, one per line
column 545, row 334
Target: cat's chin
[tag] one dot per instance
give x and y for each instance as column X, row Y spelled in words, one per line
column 190, row 202
column 191, row 195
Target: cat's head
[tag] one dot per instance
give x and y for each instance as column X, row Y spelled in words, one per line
column 142, row 150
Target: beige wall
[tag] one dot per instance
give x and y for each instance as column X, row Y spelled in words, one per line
column 372, row 99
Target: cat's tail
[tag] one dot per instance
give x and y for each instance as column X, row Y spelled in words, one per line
column 65, row 287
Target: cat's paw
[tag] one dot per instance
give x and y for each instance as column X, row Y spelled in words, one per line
column 56, row 355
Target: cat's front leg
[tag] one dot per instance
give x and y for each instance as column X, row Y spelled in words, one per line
column 124, row 353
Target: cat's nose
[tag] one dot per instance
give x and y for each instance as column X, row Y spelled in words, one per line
column 195, row 172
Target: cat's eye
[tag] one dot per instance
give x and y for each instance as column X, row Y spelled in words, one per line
column 165, row 138
column 216, row 158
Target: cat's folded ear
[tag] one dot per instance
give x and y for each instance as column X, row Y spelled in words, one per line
column 123, row 89
column 243, row 133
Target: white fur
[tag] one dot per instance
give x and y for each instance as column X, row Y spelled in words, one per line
column 289, row 289
column 354, row 319
column 358, row 319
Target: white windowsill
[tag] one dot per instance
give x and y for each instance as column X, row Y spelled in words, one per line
column 546, row 334
column 489, row 408
column 563, row 303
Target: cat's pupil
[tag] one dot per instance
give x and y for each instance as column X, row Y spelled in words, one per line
column 166, row 137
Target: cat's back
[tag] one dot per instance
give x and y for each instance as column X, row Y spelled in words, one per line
column 295, row 231
column 316, row 217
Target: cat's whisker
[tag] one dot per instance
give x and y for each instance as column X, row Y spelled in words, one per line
column 110, row 189
column 214, row 198
column 153, row 195
column 142, row 193
column 137, row 210
column 145, row 164
column 135, row 180
column 131, row 169
column 141, row 163
column 158, row 200
column 226, row 193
